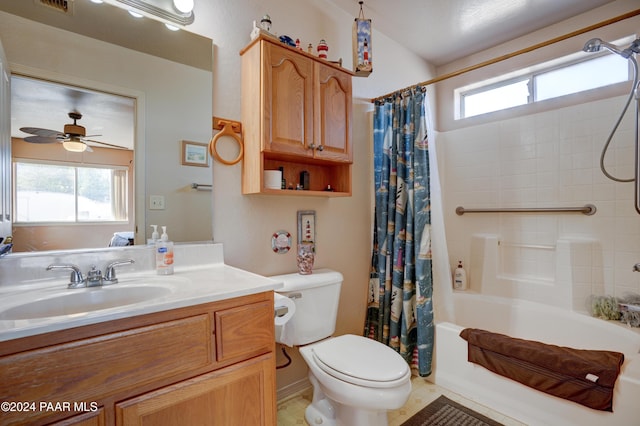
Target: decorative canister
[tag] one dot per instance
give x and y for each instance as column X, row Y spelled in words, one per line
column 305, row 257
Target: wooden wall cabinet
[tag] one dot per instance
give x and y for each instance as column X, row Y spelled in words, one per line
column 210, row 364
column 297, row 114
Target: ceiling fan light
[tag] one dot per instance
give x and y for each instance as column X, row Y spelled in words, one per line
column 184, row 6
column 74, row 146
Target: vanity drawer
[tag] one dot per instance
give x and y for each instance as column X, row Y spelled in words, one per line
column 89, row 369
column 244, row 331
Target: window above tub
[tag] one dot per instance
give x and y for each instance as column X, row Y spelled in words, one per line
column 563, row 76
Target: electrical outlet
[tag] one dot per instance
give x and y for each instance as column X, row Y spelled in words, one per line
column 156, row 202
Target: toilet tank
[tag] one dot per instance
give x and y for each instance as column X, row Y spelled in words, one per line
column 316, row 297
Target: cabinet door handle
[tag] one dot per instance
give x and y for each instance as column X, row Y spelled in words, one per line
column 312, row 146
column 320, row 148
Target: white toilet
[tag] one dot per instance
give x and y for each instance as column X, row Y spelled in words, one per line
column 356, row 380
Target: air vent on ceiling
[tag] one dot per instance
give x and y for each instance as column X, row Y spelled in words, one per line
column 60, row 5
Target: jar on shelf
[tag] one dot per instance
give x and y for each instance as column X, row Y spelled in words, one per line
column 305, row 257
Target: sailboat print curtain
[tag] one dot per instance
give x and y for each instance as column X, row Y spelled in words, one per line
column 400, row 308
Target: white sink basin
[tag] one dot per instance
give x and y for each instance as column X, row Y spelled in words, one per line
column 77, row 301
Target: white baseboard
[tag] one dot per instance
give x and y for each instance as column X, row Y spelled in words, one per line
column 293, row 389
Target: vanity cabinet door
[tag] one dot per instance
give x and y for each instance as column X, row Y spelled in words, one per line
column 86, row 419
column 89, row 370
column 242, row 394
column 243, row 332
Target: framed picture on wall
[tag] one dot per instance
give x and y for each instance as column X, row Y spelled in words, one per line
column 195, row 154
column 307, row 226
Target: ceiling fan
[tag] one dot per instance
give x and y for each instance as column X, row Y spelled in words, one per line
column 73, row 139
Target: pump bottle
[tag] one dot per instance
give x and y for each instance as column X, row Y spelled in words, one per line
column 164, row 254
column 154, row 235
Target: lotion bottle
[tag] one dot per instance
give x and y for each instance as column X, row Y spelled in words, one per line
column 460, row 278
column 164, row 254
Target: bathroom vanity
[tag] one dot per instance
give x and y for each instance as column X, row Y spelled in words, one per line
column 201, row 354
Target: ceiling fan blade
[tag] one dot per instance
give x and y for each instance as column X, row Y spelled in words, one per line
column 105, row 143
column 41, row 132
column 41, row 139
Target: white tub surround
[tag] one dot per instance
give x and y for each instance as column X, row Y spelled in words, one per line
column 563, row 274
column 200, row 277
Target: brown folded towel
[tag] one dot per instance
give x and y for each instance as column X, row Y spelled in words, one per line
column 583, row 376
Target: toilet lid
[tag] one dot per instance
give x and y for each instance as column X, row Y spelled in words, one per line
column 361, row 361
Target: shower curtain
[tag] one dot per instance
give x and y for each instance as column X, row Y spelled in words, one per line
column 400, row 308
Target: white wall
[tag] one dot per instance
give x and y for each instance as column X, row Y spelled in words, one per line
column 244, row 224
column 343, row 225
column 548, row 157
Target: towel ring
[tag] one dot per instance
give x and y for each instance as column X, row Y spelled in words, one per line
column 227, row 130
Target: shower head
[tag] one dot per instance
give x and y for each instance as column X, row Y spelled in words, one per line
column 596, row 44
column 592, row 45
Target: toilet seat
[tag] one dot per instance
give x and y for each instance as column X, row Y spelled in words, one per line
column 361, row 361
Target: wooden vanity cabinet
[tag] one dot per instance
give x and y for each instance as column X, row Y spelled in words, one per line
column 297, row 114
column 207, row 364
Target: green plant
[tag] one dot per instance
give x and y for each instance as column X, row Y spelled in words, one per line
column 605, row 307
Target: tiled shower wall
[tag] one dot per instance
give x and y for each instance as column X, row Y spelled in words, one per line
column 548, row 159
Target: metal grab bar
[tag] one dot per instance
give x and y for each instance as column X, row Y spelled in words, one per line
column 588, row 209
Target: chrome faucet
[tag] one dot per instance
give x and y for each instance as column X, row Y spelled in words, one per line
column 110, row 271
column 76, row 280
column 94, row 276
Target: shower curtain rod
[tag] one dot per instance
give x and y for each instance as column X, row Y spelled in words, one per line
column 461, row 71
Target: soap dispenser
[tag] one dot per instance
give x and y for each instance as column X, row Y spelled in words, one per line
column 154, row 235
column 164, row 254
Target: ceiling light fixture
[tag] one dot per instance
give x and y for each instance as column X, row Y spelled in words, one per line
column 74, row 145
column 178, row 13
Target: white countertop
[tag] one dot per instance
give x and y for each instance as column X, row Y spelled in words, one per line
column 192, row 285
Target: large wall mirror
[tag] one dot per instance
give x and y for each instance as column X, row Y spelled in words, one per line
column 113, row 69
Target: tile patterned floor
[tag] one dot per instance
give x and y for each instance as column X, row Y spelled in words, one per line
column 291, row 410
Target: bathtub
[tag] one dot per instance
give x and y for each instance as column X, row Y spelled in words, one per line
column 548, row 324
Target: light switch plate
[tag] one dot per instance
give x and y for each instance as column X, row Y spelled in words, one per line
column 156, row 202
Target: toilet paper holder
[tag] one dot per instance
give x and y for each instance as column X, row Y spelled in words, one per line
column 280, row 311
